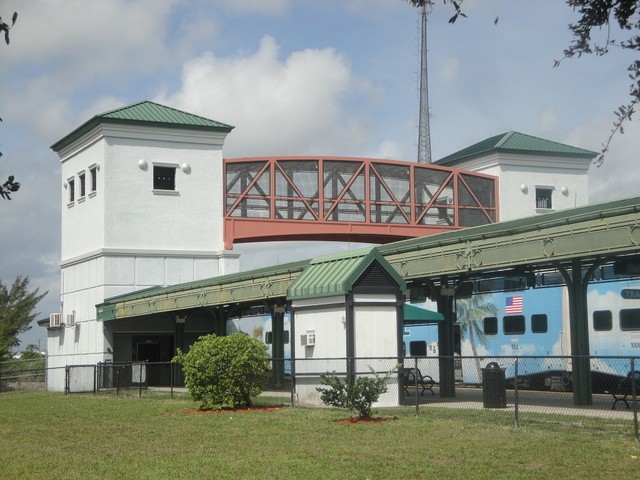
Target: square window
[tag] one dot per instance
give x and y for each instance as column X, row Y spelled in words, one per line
column 490, row 326
column 629, row 319
column 164, row 178
column 513, row 325
column 539, row 323
column 418, row 348
column 543, row 198
column 602, row 321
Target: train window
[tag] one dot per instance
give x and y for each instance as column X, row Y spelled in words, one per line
column 418, row 348
column 539, row 323
column 630, row 319
column 268, row 337
column 513, row 325
column 490, row 326
column 602, row 321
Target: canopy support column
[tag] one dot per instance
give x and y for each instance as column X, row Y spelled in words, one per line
column 577, row 284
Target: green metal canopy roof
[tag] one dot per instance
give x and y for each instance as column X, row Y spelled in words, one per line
column 418, row 316
column 146, row 114
column 336, row 274
column 515, row 142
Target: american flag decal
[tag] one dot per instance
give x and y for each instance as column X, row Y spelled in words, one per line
column 513, row 305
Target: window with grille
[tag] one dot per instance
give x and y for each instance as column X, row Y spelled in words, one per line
column 543, row 198
column 164, row 178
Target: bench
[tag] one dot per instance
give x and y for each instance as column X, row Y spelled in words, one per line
column 624, row 388
column 412, row 378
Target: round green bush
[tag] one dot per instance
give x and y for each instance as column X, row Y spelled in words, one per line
column 225, row 372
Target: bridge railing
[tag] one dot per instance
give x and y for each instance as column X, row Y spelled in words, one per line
column 276, row 198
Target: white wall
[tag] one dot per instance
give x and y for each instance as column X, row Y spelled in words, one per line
column 519, row 175
column 126, row 236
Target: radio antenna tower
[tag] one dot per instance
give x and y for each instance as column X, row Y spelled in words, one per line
column 424, row 136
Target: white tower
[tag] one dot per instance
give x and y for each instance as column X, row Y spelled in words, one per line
column 142, row 189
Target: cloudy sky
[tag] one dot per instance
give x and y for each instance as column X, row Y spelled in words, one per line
column 295, row 77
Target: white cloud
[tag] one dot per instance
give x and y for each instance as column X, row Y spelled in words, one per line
column 290, row 106
column 90, row 38
column 619, row 176
column 273, row 7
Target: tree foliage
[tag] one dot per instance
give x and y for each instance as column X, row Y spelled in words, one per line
column 224, row 372
column 17, row 306
column 356, row 396
column 601, row 26
column 619, row 21
column 10, row 186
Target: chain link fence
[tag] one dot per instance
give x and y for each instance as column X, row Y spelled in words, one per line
column 516, row 391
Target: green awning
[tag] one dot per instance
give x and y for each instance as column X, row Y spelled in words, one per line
column 418, row 316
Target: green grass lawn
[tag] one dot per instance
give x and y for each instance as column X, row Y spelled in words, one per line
column 46, row 435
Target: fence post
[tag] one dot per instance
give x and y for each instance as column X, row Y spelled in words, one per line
column 117, row 380
column 634, row 396
column 171, row 377
column 415, row 384
column 515, row 393
column 293, row 381
column 95, row 378
column 66, row 380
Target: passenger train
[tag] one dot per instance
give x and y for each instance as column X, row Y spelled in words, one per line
column 530, row 324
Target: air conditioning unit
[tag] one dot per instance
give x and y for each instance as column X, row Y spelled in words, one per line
column 54, row 320
column 71, row 319
column 309, row 338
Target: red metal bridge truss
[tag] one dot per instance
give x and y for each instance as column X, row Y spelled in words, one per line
column 350, row 199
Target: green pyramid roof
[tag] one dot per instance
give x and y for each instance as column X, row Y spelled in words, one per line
column 145, row 114
column 515, row 142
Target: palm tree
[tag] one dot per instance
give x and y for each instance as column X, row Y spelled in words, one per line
column 470, row 312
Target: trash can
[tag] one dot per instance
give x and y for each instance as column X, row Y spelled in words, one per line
column 494, row 386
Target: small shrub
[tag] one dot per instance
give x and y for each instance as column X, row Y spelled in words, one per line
column 225, row 372
column 355, row 396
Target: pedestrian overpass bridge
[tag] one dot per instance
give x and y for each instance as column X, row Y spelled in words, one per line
column 350, row 199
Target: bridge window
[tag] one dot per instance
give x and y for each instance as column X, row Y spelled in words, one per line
column 543, row 198
column 164, row 177
column 513, row 325
column 602, row 321
column 490, row 326
column 418, row 348
column 630, row 319
column 539, row 323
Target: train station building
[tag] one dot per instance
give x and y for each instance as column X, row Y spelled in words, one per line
column 151, row 210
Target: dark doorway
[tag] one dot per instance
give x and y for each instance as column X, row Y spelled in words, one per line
column 157, row 352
